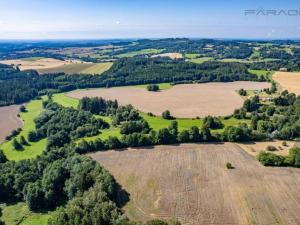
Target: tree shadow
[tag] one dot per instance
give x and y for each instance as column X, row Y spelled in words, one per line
column 123, row 197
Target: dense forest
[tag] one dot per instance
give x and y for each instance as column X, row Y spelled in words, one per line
column 129, row 71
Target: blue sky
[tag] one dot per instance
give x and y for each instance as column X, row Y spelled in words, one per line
column 97, row 19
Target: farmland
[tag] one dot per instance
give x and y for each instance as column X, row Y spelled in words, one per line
column 83, row 68
column 288, row 81
column 190, row 182
column 9, row 120
column 50, row 65
column 37, row 63
column 279, row 147
column 217, row 99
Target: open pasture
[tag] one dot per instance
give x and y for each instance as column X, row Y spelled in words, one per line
column 288, row 81
column 184, row 101
column 9, row 120
column 191, row 183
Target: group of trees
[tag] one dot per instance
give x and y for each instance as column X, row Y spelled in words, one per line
column 153, row 87
column 271, row 159
column 61, row 125
column 98, row 105
column 169, row 135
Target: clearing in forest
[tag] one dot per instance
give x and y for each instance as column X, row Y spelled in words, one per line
column 184, row 101
column 191, row 183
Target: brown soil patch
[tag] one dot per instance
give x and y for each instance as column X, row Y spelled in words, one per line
column 9, row 120
column 184, row 101
column 190, row 182
column 45, row 63
column 170, row 55
column 288, row 81
column 254, row 148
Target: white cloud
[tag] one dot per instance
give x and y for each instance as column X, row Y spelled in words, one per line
column 118, row 22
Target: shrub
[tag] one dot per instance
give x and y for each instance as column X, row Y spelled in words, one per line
column 270, row 159
column 23, row 109
column 167, row 115
column 229, row 165
column 284, row 143
column 153, row 87
column 271, row 148
column 23, row 141
column 242, row 92
column 32, row 136
column 16, row 145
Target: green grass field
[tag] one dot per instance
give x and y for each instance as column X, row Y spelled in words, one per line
column 201, row 59
column 191, row 55
column 260, row 73
column 34, row 108
column 141, row 52
column 19, row 214
column 65, row 101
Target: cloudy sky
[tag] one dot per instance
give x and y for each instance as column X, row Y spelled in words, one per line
column 98, row 19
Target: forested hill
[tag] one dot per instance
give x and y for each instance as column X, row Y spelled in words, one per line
column 130, row 71
column 18, row 87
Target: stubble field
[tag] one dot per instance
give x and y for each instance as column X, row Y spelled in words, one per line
column 288, row 81
column 184, row 101
column 191, row 183
column 9, row 120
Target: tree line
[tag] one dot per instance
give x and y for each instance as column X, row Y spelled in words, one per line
column 129, row 71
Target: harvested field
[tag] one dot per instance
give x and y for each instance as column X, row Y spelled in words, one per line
column 191, row 183
column 184, row 101
column 39, row 63
column 288, row 81
column 170, row 55
column 82, row 68
column 254, row 148
column 9, row 120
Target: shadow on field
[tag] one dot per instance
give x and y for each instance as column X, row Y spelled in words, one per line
column 122, row 196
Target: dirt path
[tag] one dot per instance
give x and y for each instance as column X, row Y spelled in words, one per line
column 190, row 182
column 184, row 101
column 9, row 120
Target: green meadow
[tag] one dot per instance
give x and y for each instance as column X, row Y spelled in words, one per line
column 141, row 52
column 34, row 108
column 18, row 213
